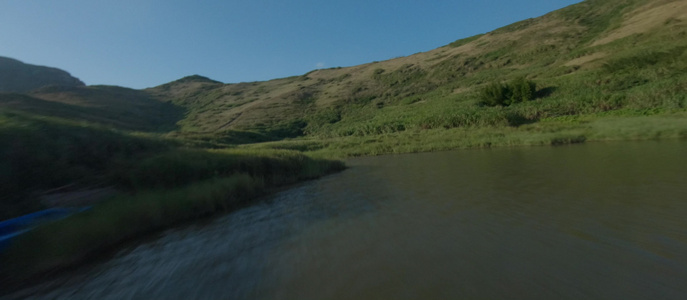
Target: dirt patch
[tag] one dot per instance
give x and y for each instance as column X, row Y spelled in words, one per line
column 461, row 90
column 646, row 18
column 585, row 59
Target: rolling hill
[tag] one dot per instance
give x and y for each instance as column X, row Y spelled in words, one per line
column 113, row 106
column 16, row 76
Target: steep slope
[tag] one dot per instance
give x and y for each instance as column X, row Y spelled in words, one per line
column 587, row 58
column 16, row 76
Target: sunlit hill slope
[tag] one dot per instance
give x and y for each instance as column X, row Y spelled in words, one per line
column 592, row 57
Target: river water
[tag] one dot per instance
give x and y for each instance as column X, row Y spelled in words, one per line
column 593, row 221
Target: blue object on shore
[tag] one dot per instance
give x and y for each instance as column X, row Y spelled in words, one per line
column 14, row 227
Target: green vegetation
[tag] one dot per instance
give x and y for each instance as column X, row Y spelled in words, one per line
column 109, row 106
column 169, row 188
column 183, row 166
column 605, row 126
column 161, row 182
column 207, row 146
column 81, row 236
column 464, row 41
column 586, row 59
column 518, row 90
column 41, row 153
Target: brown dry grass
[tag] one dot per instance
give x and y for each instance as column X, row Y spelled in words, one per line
column 647, row 18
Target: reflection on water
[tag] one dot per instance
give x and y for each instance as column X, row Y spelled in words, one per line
column 590, row 221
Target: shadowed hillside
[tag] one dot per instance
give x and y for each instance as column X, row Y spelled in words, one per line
column 16, row 76
column 106, row 105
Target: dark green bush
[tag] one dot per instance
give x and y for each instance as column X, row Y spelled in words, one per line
column 522, row 90
column 495, row 94
column 516, row 91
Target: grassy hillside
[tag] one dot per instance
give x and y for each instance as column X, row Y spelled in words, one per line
column 598, row 56
column 626, row 56
column 112, row 106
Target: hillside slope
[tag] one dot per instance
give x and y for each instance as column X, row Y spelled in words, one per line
column 16, row 76
column 112, row 106
column 587, row 58
column 598, row 56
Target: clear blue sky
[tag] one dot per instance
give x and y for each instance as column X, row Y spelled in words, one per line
column 144, row 43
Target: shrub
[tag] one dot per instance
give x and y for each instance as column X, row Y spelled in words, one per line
column 522, row 90
column 495, row 94
column 518, row 90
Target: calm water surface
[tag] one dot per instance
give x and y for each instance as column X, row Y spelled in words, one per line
column 595, row 221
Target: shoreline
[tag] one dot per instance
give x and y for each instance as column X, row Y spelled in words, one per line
column 255, row 187
column 66, row 244
column 554, row 132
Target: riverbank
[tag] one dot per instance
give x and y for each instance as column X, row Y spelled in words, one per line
column 179, row 186
column 573, row 221
column 609, row 126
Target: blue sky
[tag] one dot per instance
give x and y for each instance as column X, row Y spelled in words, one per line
column 144, row 43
